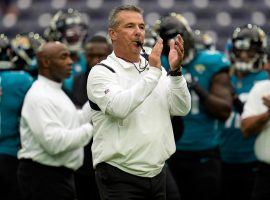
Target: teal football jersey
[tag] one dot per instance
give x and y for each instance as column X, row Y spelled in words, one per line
column 234, row 148
column 201, row 130
column 13, row 87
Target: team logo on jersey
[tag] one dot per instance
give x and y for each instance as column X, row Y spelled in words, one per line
column 199, row 68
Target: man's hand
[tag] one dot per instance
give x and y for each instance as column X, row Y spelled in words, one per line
column 176, row 53
column 154, row 57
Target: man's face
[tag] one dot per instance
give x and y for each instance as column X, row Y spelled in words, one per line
column 245, row 55
column 131, row 28
column 96, row 52
column 61, row 64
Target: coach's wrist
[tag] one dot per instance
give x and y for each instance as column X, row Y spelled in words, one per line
column 175, row 72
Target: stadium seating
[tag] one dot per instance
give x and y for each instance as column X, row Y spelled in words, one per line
column 217, row 17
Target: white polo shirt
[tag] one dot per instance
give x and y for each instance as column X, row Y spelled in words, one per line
column 53, row 132
column 133, row 130
column 255, row 106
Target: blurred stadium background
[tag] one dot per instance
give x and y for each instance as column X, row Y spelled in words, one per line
column 216, row 17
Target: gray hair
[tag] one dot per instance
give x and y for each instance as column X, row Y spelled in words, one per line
column 113, row 22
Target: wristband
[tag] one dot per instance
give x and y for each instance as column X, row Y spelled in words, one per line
column 176, row 72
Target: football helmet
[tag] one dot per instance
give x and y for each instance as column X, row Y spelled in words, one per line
column 25, row 47
column 69, row 27
column 5, row 53
column 203, row 40
column 169, row 26
column 252, row 40
column 150, row 37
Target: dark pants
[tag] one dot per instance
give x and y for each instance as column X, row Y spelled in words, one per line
column 172, row 191
column 41, row 182
column 238, row 180
column 261, row 189
column 8, row 178
column 86, row 188
column 85, row 181
column 115, row 184
column 197, row 174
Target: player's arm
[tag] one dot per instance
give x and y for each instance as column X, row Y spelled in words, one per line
column 254, row 124
column 218, row 101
